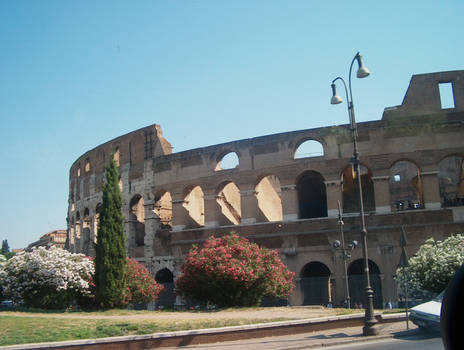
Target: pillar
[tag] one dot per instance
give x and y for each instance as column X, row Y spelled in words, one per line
column 249, row 206
column 431, row 190
column 179, row 213
column 382, row 194
column 334, row 194
column 152, row 224
column 289, row 197
column 212, row 209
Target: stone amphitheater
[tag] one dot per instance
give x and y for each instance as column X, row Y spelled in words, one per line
column 282, row 191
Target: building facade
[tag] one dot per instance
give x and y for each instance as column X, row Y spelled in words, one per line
column 56, row 238
column 275, row 192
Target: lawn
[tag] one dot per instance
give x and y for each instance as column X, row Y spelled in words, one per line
column 30, row 329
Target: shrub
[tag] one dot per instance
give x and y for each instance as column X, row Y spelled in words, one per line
column 434, row 265
column 49, row 279
column 141, row 286
column 231, row 271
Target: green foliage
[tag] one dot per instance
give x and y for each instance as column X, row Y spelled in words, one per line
column 6, row 250
column 110, row 249
column 231, row 271
column 433, row 266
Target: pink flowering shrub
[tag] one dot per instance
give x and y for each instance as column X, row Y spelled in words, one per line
column 141, row 286
column 232, row 271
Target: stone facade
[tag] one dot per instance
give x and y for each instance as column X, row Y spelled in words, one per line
column 268, row 191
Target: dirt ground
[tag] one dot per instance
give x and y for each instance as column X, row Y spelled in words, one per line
column 295, row 313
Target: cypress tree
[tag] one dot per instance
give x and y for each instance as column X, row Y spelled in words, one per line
column 110, row 249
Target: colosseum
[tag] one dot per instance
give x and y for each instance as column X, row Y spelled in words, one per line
column 271, row 191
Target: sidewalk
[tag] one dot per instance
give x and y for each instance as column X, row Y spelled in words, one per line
column 309, row 340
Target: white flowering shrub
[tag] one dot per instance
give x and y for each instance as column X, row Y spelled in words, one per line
column 47, row 278
column 434, row 265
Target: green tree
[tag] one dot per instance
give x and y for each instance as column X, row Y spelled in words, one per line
column 5, row 247
column 433, row 266
column 6, row 250
column 110, row 249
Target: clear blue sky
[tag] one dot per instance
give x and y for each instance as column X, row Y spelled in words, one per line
column 75, row 74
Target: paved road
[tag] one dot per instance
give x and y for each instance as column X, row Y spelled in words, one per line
column 336, row 338
column 420, row 342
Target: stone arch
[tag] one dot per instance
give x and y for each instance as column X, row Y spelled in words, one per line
column 350, row 194
column 78, row 225
column 163, row 208
column 312, row 196
column 167, row 297
column 117, row 156
column 451, row 180
column 309, row 148
column 194, row 204
column 228, row 160
column 357, row 283
column 405, row 186
column 85, row 235
column 229, row 200
column 268, row 195
column 315, row 284
column 137, row 220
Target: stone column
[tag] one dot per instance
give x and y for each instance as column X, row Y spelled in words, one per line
column 382, row 194
column 249, row 206
column 334, row 194
column 431, row 189
column 152, row 224
column 289, row 197
column 179, row 214
column 212, row 209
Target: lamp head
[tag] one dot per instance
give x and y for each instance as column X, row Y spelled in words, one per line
column 362, row 70
column 335, row 100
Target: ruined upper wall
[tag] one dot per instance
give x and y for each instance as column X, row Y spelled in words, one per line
column 132, row 148
column 423, row 95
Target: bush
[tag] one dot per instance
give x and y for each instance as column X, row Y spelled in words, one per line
column 141, row 286
column 433, row 266
column 48, row 279
column 231, row 271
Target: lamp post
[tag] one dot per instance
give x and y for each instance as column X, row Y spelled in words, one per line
column 369, row 320
column 346, row 254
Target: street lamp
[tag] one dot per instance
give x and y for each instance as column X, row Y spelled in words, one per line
column 346, row 254
column 369, row 320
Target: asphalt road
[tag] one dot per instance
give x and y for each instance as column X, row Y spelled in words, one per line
column 418, row 341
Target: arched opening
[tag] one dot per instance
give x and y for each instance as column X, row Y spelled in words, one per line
column 350, row 191
column 97, row 221
column 78, row 225
column 228, row 161
column 405, row 186
column 117, row 156
column 85, row 236
column 167, row 297
column 195, row 206
column 268, row 194
column 312, row 198
column 451, row 181
column 315, row 284
column 357, row 283
column 309, row 148
column 137, row 220
column 163, row 208
column 229, row 199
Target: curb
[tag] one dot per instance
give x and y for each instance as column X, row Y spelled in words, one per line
column 213, row 335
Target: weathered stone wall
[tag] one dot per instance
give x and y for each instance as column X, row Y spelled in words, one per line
column 411, row 176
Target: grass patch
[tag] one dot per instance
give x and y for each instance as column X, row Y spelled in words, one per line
column 23, row 330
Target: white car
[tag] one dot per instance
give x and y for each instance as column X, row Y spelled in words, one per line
column 427, row 315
